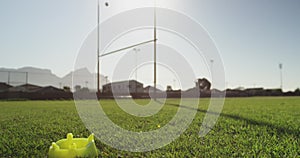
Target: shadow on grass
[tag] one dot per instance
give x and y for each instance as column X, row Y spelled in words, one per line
column 279, row 130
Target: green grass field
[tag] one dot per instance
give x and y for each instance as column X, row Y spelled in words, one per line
column 260, row 127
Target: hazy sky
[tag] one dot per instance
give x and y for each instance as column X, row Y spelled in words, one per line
column 253, row 36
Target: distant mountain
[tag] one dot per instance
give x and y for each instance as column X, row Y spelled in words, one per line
column 84, row 78
column 44, row 77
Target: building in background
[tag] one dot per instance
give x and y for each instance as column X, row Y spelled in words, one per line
column 4, row 87
column 24, row 88
column 123, row 87
column 150, row 89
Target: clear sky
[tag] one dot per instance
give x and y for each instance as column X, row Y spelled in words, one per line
column 253, row 36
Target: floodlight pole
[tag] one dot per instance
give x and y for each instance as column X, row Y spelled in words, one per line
column 211, row 70
column 26, row 77
column 106, row 79
column 98, row 49
column 136, row 50
column 174, row 82
column 211, row 65
column 280, row 67
column 8, row 78
column 155, row 42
